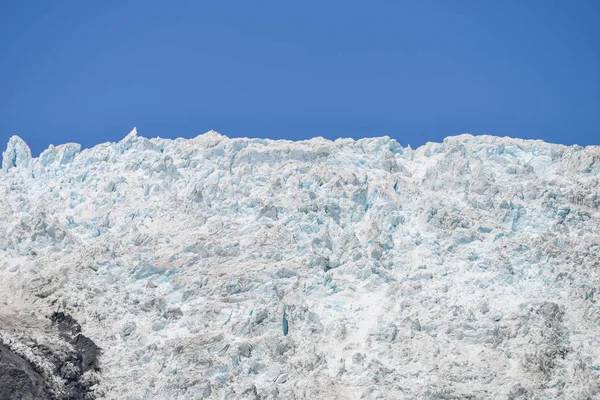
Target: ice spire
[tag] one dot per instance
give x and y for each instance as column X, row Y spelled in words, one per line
column 129, row 140
column 17, row 154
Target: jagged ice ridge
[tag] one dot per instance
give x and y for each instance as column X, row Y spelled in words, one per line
column 259, row 269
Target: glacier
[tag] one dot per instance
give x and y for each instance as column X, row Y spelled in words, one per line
column 270, row 269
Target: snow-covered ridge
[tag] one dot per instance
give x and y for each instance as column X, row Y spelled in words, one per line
column 17, row 152
column 252, row 268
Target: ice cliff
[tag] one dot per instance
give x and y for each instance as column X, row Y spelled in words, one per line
column 257, row 269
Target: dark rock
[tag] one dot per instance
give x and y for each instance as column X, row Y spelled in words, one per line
column 18, row 379
column 87, row 351
column 83, row 358
column 65, row 323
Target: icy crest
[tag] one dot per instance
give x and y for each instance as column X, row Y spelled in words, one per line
column 346, row 269
column 17, row 154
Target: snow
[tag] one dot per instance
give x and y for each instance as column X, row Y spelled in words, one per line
column 463, row 268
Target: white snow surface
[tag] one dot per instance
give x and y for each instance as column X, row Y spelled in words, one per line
column 463, row 269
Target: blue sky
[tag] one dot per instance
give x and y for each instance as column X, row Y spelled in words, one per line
column 413, row 70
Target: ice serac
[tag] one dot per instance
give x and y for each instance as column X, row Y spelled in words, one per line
column 67, row 152
column 350, row 269
column 127, row 142
column 17, row 154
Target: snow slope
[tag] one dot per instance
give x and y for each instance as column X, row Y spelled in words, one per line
column 463, row 269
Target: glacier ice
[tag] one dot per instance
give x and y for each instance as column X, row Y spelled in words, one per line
column 251, row 268
column 17, row 154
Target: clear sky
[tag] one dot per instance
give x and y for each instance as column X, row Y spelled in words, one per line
column 89, row 71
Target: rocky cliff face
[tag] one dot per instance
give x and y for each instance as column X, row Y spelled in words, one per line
column 247, row 268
